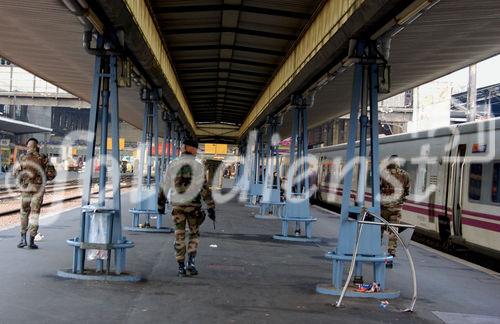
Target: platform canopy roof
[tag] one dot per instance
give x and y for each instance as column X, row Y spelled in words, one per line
column 226, row 52
column 18, row 127
column 227, row 60
column 225, row 65
column 238, row 61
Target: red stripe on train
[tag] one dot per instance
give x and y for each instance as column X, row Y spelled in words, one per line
column 477, row 223
column 482, row 215
column 338, row 191
column 423, row 211
column 430, row 205
column 431, row 213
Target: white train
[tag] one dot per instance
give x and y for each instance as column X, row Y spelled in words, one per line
column 455, row 179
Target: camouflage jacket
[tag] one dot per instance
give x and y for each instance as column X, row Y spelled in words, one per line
column 34, row 168
column 394, row 195
column 190, row 185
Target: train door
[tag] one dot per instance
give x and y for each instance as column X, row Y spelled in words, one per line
column 326, row 178
column 319, row 178
column 457, row 181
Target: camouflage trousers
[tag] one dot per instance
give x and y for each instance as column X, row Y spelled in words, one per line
column 194, row 217
column 30, row 211
column 392, row 215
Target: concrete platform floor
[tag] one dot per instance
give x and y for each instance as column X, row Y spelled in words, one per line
column 247, row 278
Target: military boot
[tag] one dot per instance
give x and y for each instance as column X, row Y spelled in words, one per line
column 23, row 242
column 191, row 266
column 182, row 269
column 32, row 243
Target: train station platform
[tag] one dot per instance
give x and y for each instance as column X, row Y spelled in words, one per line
column 245, row 277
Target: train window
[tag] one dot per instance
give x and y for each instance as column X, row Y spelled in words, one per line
column 340, row 174
column 495, row 193
column 355, row 176
column 421, row 178
column 326, row 172
column 475, row 179
column 412, row 170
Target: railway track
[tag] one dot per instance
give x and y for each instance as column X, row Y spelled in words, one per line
column 12, row 196
column 10, row 188
column 4, row 188
column 126, row 182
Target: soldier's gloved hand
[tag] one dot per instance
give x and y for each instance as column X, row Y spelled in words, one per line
column 161, row 211
column 211, row 215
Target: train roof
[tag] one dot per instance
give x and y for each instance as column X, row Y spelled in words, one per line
column 465, row 128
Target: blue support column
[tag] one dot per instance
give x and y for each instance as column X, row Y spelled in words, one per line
column 255, row 188
column 169, row 142
column 240, row 166
column 365, row 90
column 165, row 155
column 271, row 206
column 243, row 164
column 297, row 207
column 175, row 141
column 148, row 193
column 183, row 137
column 100, row 232
column 180, row 137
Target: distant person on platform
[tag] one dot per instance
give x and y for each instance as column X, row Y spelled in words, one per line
column 394, row 188
column 32, row 173
column 185, row 184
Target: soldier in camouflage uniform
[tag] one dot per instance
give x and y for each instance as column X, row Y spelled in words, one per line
column 189, row 180
column 32, row 172
column 394, row 187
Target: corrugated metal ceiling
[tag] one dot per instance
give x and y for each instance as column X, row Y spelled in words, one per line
column 213, row 66
column 226, row 51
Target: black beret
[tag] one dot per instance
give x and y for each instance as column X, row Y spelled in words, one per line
column 32, row 139
column 191, row 142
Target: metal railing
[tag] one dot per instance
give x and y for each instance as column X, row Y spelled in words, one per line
column 394, row 229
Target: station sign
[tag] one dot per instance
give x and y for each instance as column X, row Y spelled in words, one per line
column 216, row 149
column 121, row 143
